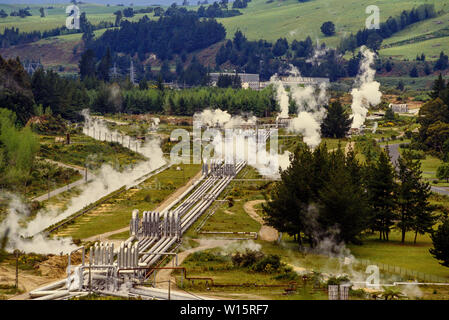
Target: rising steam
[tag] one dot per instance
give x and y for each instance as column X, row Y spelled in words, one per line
column 107, row 180
column 367, row 92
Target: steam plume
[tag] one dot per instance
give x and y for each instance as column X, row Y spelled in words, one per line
column 367, row 92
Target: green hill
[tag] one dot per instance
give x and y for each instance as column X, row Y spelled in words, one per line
column 273, row 19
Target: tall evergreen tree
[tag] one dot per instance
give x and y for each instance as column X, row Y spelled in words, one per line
column 415, row 212
column 337, row 122
column 87, row 65
column 440, row 240
column 438, row 86
column 382, row 188
column 104, row 66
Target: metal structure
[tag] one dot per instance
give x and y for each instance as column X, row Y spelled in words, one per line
column 152, row 235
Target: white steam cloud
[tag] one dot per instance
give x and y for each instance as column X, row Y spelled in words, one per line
column 367, row 92
column 107, row 180
column 223, row 119
column 17, row 212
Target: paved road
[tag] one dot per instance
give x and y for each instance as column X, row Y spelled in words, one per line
column 77, row 183
column 393, row 150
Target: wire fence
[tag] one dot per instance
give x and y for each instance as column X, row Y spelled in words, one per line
column 404, row 273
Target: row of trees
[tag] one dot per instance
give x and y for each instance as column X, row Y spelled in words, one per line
column 324, row 196
column 110, row 99
column 21, row 93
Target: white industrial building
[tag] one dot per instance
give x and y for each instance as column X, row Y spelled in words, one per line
column 399, row 108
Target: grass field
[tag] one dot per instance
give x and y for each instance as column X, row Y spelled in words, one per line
column 294, row 20
column 409, row 256
column 84, row 149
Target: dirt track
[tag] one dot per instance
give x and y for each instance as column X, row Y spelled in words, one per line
column 266, row 233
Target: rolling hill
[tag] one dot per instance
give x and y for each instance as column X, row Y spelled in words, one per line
column 265, row 19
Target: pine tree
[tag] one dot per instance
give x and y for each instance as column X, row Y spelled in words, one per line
column 87, row 65
column 382, row 188
column 343, row 203
column 440, row 240
column 438, row 86
column 104, row 66
column 415, row 212
column 337, row 122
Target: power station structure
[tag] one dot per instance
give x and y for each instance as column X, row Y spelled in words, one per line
column 122, row 271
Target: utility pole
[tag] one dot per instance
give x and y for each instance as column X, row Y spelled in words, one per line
column 169, row 285
column 16, row 252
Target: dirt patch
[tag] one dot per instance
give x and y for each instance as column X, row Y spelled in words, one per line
column 56, row 266
column 266, row 233
column 48, row 271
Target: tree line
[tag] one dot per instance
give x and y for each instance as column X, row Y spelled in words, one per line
column 331, row 195
column 164, row 37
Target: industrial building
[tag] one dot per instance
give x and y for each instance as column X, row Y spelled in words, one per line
column 249, row 80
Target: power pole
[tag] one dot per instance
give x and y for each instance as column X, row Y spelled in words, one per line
column 16, row 252
column 169, row 285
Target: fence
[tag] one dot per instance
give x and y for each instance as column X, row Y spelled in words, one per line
column 405, row 274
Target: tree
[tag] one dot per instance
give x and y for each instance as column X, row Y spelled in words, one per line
column 438, row 86
column 414, row 72
column 389, row 114
column 414, row 208
column 328, row 28
column 440, row 241
column 280, row 47
column 382, row 189
column 442, row 63
column 343, row 202
column 87, row 65
column 443, row 172
column 337, row 122
column 118, row 17
column 104, row 66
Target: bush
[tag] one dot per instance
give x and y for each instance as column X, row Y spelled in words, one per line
column 417, row 154
column 268, row 264
column 337, row 280
column 203, row 256
column 247, row 259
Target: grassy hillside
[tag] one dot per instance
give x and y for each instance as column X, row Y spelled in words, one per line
column 261, row 20
column 56, row 17
column 295, row 20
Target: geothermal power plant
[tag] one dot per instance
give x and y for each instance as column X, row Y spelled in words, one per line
column 121, row 271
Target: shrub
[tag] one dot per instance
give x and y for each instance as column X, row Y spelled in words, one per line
column 337, row 280
column 268, row 264
column 203, row 256
column 247, row 259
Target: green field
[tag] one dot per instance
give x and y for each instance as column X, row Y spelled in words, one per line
column 294, row 20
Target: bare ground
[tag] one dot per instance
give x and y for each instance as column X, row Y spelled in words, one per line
column 266, row 233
